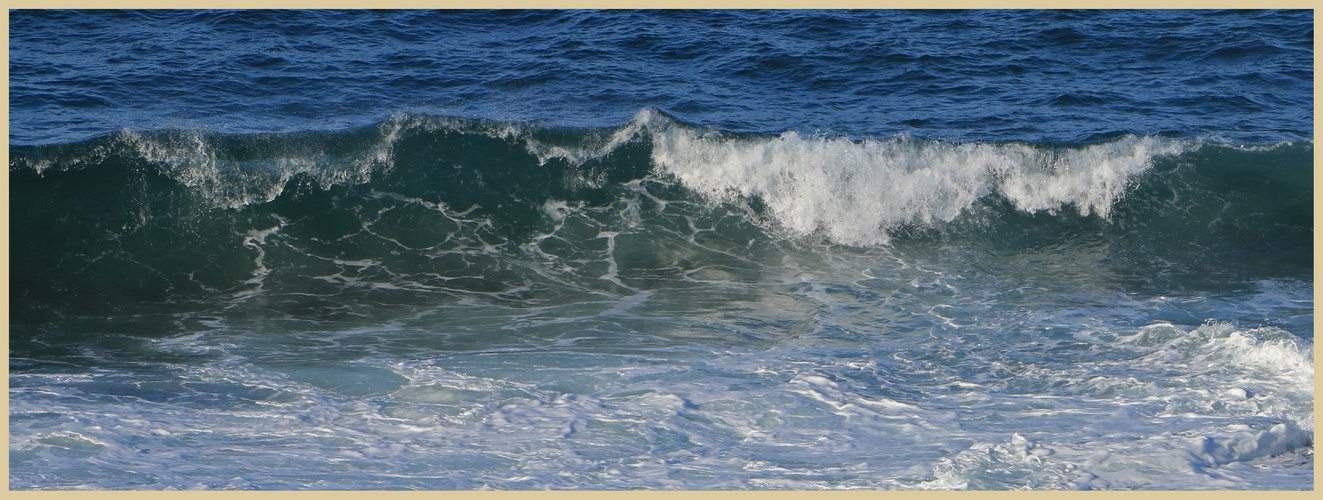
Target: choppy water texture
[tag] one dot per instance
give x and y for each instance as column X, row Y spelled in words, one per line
column 667, row 250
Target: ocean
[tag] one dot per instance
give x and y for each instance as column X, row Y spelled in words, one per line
column 671, row 250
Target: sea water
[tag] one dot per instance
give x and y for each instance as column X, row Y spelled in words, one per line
column 664, row 250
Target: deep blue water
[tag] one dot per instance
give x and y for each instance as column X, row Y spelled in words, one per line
column 661, row 249
column 968, row 76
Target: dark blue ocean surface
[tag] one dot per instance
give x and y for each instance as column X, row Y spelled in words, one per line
column 985, row 75
column 661, row 249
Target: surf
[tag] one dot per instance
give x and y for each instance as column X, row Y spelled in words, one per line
column 167, row 214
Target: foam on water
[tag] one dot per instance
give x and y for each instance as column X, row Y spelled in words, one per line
column 649, row 306
column 1198, row 408
column 858, row 192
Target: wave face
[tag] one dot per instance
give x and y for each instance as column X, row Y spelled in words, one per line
column 185, row 214
column 423, row 236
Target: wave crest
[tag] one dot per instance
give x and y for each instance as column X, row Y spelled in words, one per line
column 857, row 193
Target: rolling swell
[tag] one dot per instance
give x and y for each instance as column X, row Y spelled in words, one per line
column 425, row 208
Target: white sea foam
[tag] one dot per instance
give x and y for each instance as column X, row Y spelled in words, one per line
column 748, row 420
column 193, row 159
column 857, row 192
column 256, row 239
column 1257, row 355
column 806, row 377
column 854, row 191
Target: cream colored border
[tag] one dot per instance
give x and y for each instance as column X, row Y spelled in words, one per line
column 628, row 4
